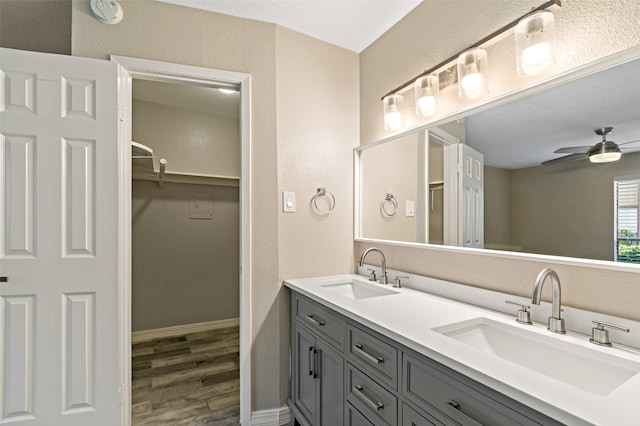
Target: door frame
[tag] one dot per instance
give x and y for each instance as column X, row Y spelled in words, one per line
column 129, row 68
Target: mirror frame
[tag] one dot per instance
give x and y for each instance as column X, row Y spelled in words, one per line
column 601, row 64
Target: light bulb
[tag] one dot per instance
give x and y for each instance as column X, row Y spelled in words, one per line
column 426, row 91
column 536, row 58
column 472, row 74
column 427, row 105
column 227, row 91
column 392, row 115
column 472, row 83
column 393, row 120
column 535, row 43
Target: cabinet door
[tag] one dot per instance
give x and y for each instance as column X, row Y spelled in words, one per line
column 354, row 418
column 411, row 417
column 330, row 374
column 304, row 374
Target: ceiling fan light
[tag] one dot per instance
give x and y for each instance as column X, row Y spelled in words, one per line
column 605, row 157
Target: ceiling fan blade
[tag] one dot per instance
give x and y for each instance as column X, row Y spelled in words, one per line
column 627, row 143
column 574, row 150
column 566, row 158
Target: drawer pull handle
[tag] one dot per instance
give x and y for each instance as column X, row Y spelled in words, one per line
column 371, row 358
column 358, row 390
column 455, row 408
column 312, row 320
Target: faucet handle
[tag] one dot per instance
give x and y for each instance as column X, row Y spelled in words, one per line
column 396, row 281
column 600, row 336
column 373, row 274
column 524, row 316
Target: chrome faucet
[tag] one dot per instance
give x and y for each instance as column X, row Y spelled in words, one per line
column 556, row 323
column 383, row 278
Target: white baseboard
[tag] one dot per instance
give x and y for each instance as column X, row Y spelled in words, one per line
column 277, row 416
column 159, row 333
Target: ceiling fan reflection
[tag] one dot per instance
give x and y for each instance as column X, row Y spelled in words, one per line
column 602, row 152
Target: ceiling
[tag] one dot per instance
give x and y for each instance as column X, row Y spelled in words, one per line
column 202, row 99
column 525, row 132
column 351, row 24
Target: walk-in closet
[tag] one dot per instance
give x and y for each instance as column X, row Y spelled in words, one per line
column 185, row 246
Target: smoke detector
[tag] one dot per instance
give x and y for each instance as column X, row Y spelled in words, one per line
column 107, row 11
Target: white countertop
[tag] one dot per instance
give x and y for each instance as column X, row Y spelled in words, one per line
column 409, row 317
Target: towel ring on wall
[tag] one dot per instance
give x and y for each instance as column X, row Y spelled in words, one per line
column 389, row 206
column 330, row 199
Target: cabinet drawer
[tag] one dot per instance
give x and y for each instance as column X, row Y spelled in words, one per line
column 411, row 417
column 354, row 418
column 325, row 323
column 373, row 354
column 370, row 398
column 424, row 383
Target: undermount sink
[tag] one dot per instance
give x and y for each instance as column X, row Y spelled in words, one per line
column 354, row 289
column 590, row 370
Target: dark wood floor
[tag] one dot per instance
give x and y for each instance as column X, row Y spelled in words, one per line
column 190, row 380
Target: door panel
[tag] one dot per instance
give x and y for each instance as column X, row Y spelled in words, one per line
column 58, row 223
column 305, row 385
column 331, row 375
column 472, row 198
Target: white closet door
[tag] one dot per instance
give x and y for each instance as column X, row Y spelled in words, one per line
column 471, row 198
column 58, row 227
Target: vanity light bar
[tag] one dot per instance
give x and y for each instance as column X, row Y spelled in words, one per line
column 476, row 45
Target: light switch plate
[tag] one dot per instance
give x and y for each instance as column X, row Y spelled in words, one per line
column 410, row 209
column 288, row 202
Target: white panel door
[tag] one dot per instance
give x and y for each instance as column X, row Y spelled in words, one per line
column 471, row 198
column 59, row 235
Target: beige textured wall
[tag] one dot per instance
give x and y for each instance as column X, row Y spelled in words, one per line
column 317, row 120
column 303, row 133
column 391, row 167
column 497, row 209
column 184, row 271
column 164, row 32
column 191, row 141
column 37, row 25
column 412, row 46
column 317, row 103
column 583, row 201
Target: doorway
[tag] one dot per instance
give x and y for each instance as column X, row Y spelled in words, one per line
column 198, row 189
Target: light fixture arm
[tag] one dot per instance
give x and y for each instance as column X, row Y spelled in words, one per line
column 479, row 43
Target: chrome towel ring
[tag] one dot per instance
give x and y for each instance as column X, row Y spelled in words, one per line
column 329, row 200
column 389, row 206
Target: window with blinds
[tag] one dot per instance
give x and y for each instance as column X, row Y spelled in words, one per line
column 627, row 193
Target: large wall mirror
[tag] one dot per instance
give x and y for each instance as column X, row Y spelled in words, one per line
column 492, row 178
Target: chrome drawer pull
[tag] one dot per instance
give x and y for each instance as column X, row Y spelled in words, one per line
column 360, row 351
column 455, row 407
column 357, row 389
column 311, row 319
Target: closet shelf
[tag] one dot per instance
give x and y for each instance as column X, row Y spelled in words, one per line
column 191, row 178
column 149, row 167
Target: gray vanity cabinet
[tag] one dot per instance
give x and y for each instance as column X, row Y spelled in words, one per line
column 317, row 391
column 345, row 373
